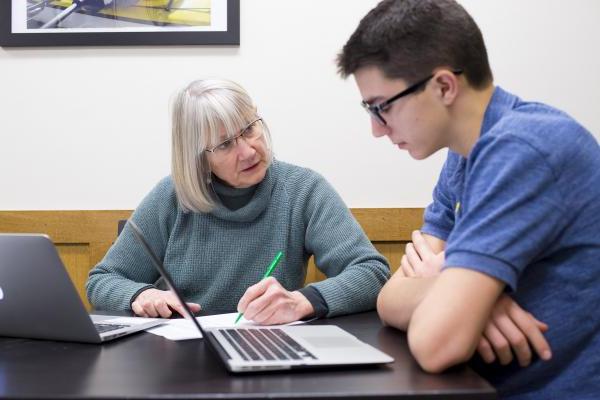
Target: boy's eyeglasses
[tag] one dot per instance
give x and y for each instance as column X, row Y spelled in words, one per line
column 375, row 110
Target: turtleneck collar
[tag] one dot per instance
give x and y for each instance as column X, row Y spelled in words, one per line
column 246, row 203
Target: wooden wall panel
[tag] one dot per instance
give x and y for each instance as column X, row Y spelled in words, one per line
column 393, row 251
column 83, row 237
column 312, row 273
column 76, row 258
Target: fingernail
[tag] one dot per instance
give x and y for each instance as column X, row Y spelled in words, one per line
column 546, row 355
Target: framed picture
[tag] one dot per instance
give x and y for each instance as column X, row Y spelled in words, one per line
column 119, row 22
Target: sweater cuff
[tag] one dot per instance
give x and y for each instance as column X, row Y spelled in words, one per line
column 136, row 294
column 316, row 300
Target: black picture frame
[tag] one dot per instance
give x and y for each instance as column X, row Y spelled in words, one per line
column 231, row 36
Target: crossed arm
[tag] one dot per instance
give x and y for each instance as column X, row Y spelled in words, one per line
column 451, row 314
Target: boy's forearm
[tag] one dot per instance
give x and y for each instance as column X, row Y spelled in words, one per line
column 401, row 295
column 446, row 325
column 399, row 298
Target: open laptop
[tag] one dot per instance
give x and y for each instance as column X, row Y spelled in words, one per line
column 248, row 349
column 39, row 301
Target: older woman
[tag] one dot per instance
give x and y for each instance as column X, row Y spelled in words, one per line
column 226, row 210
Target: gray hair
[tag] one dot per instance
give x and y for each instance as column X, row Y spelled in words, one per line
column 200, row 112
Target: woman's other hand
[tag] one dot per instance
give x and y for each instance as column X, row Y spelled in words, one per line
column 159, row 303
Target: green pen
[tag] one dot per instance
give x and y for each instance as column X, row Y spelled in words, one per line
column 265, row 276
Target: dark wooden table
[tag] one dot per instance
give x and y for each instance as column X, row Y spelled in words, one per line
column 146, row 366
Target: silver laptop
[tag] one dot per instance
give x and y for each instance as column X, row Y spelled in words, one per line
column 39, row 301
column 247, row 349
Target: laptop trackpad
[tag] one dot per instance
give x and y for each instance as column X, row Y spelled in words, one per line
column 331, row 342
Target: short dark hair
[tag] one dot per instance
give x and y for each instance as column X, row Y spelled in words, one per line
column 408, row 39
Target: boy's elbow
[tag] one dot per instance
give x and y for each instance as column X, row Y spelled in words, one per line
column 431, row 360
column 381, row 307
column 388, row 311
column 436, row 352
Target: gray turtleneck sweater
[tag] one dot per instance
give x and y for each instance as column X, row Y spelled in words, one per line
column 214, row 257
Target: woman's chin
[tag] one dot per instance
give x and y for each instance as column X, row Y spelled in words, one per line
column 252, row 176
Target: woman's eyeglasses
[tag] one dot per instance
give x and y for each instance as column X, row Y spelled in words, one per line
column 253, row 131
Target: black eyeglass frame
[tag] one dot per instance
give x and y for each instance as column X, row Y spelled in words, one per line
column 236, row 137
column 375, row 110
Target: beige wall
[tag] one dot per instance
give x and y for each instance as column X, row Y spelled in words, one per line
column 86, row 128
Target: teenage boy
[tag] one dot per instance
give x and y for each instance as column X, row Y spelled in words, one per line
column 516, row 207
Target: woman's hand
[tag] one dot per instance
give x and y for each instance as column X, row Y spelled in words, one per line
column 509, row 330
column 159, row 303
column 269, row 303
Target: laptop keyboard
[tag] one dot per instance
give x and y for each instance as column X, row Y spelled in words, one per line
column 102, row 328
column 265, row 344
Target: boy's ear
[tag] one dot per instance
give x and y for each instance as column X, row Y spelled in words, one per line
column 446, row 85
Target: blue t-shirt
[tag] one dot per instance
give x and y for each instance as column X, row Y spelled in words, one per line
column 524, row 207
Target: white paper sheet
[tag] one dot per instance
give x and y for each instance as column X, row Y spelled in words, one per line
column 176, row 329
column 183, row 329
column 128, row 320
column 224, row 321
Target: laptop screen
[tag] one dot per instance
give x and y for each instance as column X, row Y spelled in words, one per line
column 163, row 272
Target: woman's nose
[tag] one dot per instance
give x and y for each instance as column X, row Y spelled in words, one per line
column 244, row 149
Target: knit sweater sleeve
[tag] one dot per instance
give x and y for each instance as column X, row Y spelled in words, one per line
column 126, row 270
column 355, row 271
